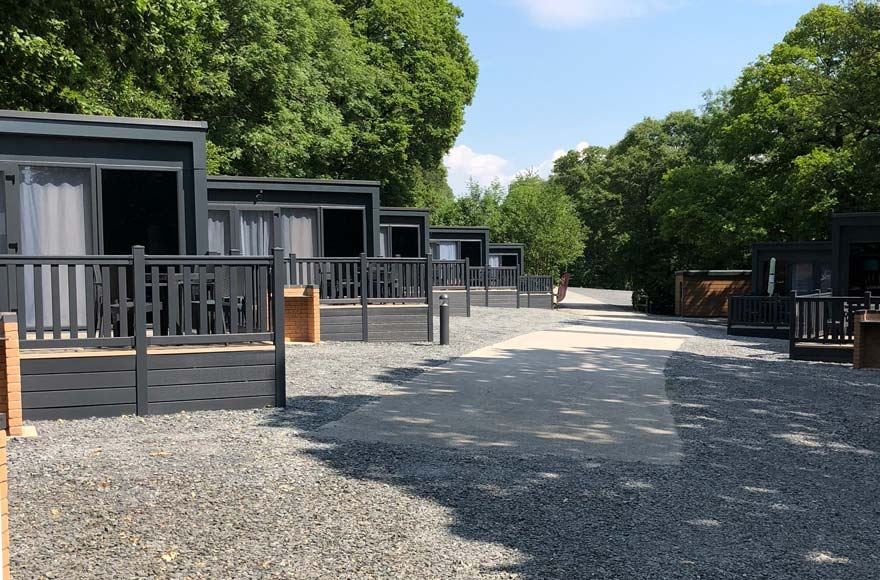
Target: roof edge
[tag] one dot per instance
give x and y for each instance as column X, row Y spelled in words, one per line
column 102, row 119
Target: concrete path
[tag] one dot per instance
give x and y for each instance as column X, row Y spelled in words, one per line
column 593, row 387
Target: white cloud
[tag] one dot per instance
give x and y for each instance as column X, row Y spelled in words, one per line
column 575, row 13
column 463, row 163
column 545, row 167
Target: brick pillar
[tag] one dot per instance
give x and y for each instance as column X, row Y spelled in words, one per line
column 302, row 314
column 10, row 374
column 4, row 502
column 866, row 350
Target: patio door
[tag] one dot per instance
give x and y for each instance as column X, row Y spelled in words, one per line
column 49, row 212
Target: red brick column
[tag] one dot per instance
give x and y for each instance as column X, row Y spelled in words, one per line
column 4, row 503
column 10, row 374
column 302, row 314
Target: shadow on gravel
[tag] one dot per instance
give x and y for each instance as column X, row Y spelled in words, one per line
column 778, row 480
column 309, row 413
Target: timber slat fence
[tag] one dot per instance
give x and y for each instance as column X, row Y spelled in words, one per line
column 369, row 284
column 137, row 304
column 823, row 326
column 363, row 280
column 761, row 315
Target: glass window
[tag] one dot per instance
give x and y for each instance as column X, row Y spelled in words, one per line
column 56, row 219
column 445, row 251
column 299, row 227
column 803, row 280
column 384, row 241
column 219, row 240
column 256, row 232
column 494, row 261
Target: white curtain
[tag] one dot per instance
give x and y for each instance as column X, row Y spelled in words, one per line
column 256, row 233
column 300, row 229
column 55, row 220
column 494, row 261
column 384, row 241
column 218, row 232
column 445, row 251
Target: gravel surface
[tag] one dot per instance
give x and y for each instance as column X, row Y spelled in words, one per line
column 779, row 480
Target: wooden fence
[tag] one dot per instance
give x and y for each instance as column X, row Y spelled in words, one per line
column 536, row 291
column 822, row 326
column 452, row 278
column 761, row 316
column 365, row 282
column 136, row 305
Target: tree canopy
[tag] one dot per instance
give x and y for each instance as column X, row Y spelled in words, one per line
column 531, row 211
column 372, row 89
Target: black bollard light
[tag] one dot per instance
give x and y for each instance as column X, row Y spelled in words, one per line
column 444, row 319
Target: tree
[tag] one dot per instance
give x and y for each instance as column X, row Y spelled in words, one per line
column 372, row 89
column 539, row 215
column 584, row 176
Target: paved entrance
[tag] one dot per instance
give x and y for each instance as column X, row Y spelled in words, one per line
column 592, row 387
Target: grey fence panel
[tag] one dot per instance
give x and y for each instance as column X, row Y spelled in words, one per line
column 134, row 303
column 768, row 316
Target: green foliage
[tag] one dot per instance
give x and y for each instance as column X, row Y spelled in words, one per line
column 481, row 207
column 532, row 212
column 539, row 214
column 795, row 139
column 371, row 89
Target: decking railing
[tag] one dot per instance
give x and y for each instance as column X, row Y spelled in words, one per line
column 123, row 301
column 494, row 276
column 762, row 315
column 363, row 280
column 823, row 326
column 451, row 273
column 536, row 284
column 828, row 320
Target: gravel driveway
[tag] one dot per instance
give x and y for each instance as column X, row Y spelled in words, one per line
column 779, row 480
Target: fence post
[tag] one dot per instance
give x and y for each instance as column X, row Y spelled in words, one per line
column 516, row 281
column 868, row 300
column 141, row 373
column 365, row 286
column 467, row 284
column 444, row 319
column 486, row 282
column 792, row 334
column 292, row 277
column 278, row 326
column 429, row 269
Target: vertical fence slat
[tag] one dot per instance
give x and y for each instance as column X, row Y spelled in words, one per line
column 55, row 280
column 233, row 298
column 218, row 312
column 91, row 278
column 262, row 293
column 72, row 302
column 249, row 299
column 156, row 300
column 38, row 301
column 106, row 305
column 173, row 301
column 187, row 300
column 122, row 274
column 203, row 299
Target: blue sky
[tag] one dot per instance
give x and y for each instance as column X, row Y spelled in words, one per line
column 558, row 74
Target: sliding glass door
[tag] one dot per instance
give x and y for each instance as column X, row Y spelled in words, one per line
column 49, row 211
